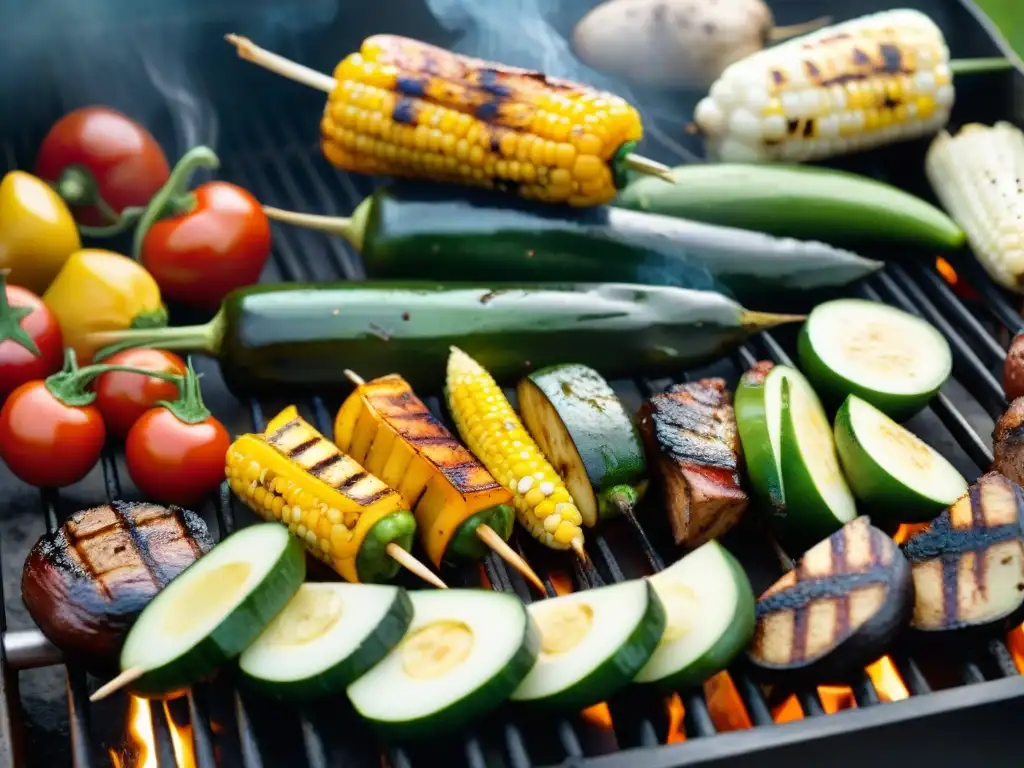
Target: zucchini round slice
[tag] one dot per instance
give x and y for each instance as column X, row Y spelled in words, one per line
column 325, row 638
column 709, row 609
column 758, row 407
column 592, row 644
column 890, row 470
column 818, row 500
column 836, row 612
column 892, row 359
column 214, row 609
column 968, row 565
column 585, row 432
column 464, row 653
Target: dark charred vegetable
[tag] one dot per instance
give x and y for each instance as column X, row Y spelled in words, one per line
column 87, row 582
column 1008, row 442
column 690, row 433
column 413, row 231
column 968, row 565
column 862, row 587
column 294, row 337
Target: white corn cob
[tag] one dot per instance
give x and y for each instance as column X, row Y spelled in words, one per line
column 978, row 175
column 859, row 84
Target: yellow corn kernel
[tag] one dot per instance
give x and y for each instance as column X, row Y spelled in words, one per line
column 493, row 432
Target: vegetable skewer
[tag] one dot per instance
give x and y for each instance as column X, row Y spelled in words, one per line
column 494, row 433
column 345, row 517
column 456, row 501
column 469, row 121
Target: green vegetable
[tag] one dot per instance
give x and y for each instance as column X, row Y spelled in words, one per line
column 373, row 563
column 468, row 545
column 463, row 655
column 293, row 337
column 758, row 408
column 592, row 644
column 709, row 609
column 798, row 201
column 583, row 429
column 424, row 231
column 888, row 357
column 891, row 471
column 214, row 609
column 325, row 638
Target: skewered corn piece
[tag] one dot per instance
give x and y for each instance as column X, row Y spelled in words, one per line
column 344, row 516
column 493, row 432
column 870, row 81
column 404, row 108
column 978, row 176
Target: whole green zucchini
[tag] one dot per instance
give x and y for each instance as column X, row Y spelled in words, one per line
column 798, row 201
column 413, row 231
column 280, row 339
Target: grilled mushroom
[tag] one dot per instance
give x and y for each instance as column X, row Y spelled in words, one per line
column 837, row 611
column 1008, row 442
column 968, row 565
column 87, row 582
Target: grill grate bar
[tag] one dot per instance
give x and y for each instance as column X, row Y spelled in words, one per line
column 697, row 720
column 163, row 746
column 864, row 692
column 994, row 300
column 78, row 718
column 316, row 754
column 971, row 673
column 915, row 681
column 810, row 702
column 753, row 698
column 1002, row 659
column 202, row 736
column 246, row 737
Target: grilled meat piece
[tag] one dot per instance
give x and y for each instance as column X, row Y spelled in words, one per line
column 87, row 582
column 1013, row 369
column 690, row 434
column 1008, row 442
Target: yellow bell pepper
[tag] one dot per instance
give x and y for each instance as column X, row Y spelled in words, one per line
column 102, row 291
column 37, row 231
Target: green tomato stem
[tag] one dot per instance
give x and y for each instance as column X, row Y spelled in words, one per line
column 189, row 408
column 11, row 317
column 69, row 384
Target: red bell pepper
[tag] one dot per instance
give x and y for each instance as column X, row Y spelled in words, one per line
column 201, row 244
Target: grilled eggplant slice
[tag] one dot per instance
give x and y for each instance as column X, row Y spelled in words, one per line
column 968, row 565
column 837, row 611
column 690, row 433
column 1008, row 442
column 86, row 583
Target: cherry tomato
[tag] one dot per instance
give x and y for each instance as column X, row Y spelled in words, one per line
column 18, row 364
column 123, row 397
column 47, row 442
column 97, row 151
column 173, row 461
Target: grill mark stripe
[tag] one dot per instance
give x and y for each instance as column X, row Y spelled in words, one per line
column 430, row 440
column 179, row 518
column 833, row 586
column 283, row 430
column 141, row 543
column 318, row 469
column 301, row 448
column 366, row 501
column 840, row 566
column 351, row 480
column 978, row 520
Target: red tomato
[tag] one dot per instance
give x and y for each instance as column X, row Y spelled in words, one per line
column 125, row 162
column 17, row 364
column 123, row 397
column 175, row 462
column 46, row 442
column 200, row 256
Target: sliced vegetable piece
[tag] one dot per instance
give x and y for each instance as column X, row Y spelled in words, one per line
column 583, row 429
column 465, row 652
column 759, row 423
column 818, row 500
column 592, row 644
column 968, row 565
column 327, row 637
column 890, row 470
column 837, row 611
column 886, row 356
column 709, row 609
column 214, row 609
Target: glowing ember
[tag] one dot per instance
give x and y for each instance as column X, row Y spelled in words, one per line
column 725, row 705
column 561, row 582
column 887, row 680
column 598, row 715
column 676, row 713
column 142, row 742
column 1015, row 642
column 960, row 287
column 906, row 530
column 835, row 698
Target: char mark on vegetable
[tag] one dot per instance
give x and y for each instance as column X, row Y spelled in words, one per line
column 301, row 448
column 406, row 111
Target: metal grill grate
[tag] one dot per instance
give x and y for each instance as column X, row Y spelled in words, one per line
column 276, row 160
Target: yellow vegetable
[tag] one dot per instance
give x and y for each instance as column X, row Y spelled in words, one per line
column 102, row 291
column 37, row 231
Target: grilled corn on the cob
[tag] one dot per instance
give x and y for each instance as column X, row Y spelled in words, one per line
column 386, row 428
column 294, row 475
column 492, row 430
column 978, row 176
column 404, row 108
column 869, row 81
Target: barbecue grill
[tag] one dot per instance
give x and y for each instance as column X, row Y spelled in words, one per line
column 910, row 705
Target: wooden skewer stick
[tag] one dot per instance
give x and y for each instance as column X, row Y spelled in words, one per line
column 300, row 73
column 487, row 534
column 581, row 553
column 410, row 563
column 778, row 34
column 127, row 677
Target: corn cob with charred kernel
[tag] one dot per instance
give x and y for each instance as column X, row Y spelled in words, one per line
column 344, row 516
column 493, row 432
column 873, row 80
column 978, row 176
column 460, row 509
column 405, row 108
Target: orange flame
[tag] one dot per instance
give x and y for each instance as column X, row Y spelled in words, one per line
column 599, row 716
column 960, row 287
column 835, row 698
column 1015, row 642
column 676, row 713
column 143, row 741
